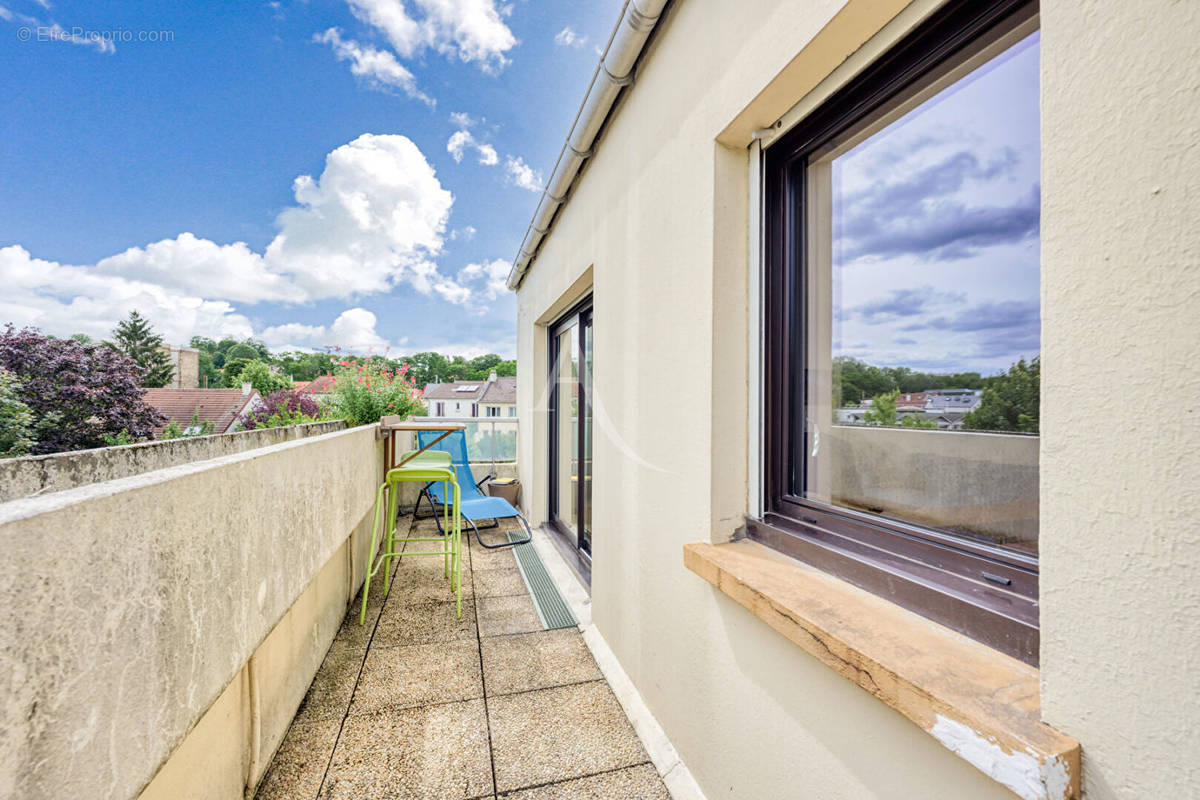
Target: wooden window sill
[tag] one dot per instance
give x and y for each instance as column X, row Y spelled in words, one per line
column 978, row 702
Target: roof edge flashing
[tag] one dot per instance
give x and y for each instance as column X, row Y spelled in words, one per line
column 613, row 74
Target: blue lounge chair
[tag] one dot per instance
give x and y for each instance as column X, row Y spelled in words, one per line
column 473, row 505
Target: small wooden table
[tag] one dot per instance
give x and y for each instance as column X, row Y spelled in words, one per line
column 389, row 429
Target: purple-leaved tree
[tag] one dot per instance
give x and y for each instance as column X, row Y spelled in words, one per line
column 79, row 393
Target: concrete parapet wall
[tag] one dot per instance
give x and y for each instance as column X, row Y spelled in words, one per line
column 134, row 609
column 981, row 482
column 35, row 475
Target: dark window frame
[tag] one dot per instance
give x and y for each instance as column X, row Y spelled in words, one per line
column 580, row 557
column 983, row 591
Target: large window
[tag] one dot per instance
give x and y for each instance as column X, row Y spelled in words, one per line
column 904, row 327
column 571, row 434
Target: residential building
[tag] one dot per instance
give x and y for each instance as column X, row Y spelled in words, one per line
column 949, row 399
column 221, row 407
column 322, row 384
column 911, row 401
column 730, row 541
column 185, row 363
column 494, row 397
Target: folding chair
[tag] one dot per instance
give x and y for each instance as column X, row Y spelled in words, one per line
column 473, row 504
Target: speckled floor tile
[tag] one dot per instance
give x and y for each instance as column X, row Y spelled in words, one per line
column 634, row 783
column 423, row 580
column 482, row 558
column 329, row 695
column 489, row 535
column 401, row 677
column 299, row 764
column 555, row 734
column 537, row 661
column 351, row 633
column 499, row 582
column 424, row 623
column 431, row 753
column 504, row 615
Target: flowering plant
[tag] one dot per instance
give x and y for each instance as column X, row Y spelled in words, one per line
column 284, row 407
column 367, row 391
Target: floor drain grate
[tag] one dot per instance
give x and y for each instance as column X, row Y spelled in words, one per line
column 551, row 608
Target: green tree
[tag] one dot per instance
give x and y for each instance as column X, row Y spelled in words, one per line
column 304, row 366
column 209, row 376
column 1011, row 401
column 917, row 421
column 222, row 351
column 231, row 376
column 242, row 350
column 203, row 344
column 135, row 338
column 17, row 432
column 258, row 374
column 82, row 338
column 882, row 412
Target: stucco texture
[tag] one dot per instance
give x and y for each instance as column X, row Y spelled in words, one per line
column 128, row 607
column 1121, row 377
column 659, row 221
column 35, row 475
column 656, row 229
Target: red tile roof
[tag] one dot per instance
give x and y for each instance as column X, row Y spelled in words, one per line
column 219, row 406
column 323, row 384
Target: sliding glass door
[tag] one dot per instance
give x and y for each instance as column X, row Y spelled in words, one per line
column 571, row 430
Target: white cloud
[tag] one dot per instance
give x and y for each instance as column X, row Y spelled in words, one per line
column 5, row 14
column 522, row 174
column 490, row 276
column 471, row 30
column 569, row 38
column 353, row 330
column 467, row 232
column 378, row 67
column 200, row 266
column 487, row 155
column 463, row 120
column 66, row 299
column 458, row 143
column 375, row 218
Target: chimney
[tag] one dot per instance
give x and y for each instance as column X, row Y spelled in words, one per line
column 246, row 388
column 492, row 377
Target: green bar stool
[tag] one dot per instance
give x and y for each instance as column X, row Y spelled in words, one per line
column 419, row 470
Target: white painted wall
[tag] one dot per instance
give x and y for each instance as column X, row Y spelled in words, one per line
column 657, row 231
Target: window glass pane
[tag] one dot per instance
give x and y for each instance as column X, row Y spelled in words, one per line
column 567, row 421
column 922, row 307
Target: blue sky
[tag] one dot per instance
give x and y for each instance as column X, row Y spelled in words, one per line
column 936, row 229
column 332, row 172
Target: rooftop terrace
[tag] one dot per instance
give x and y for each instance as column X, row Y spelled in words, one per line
column 419, row 704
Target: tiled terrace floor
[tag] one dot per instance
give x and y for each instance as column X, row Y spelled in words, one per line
column 418, row 704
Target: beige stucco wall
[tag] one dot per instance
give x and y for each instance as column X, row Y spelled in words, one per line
column 657, row 230
column 166, row 625
column 1120, row 320
column 660, row 220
